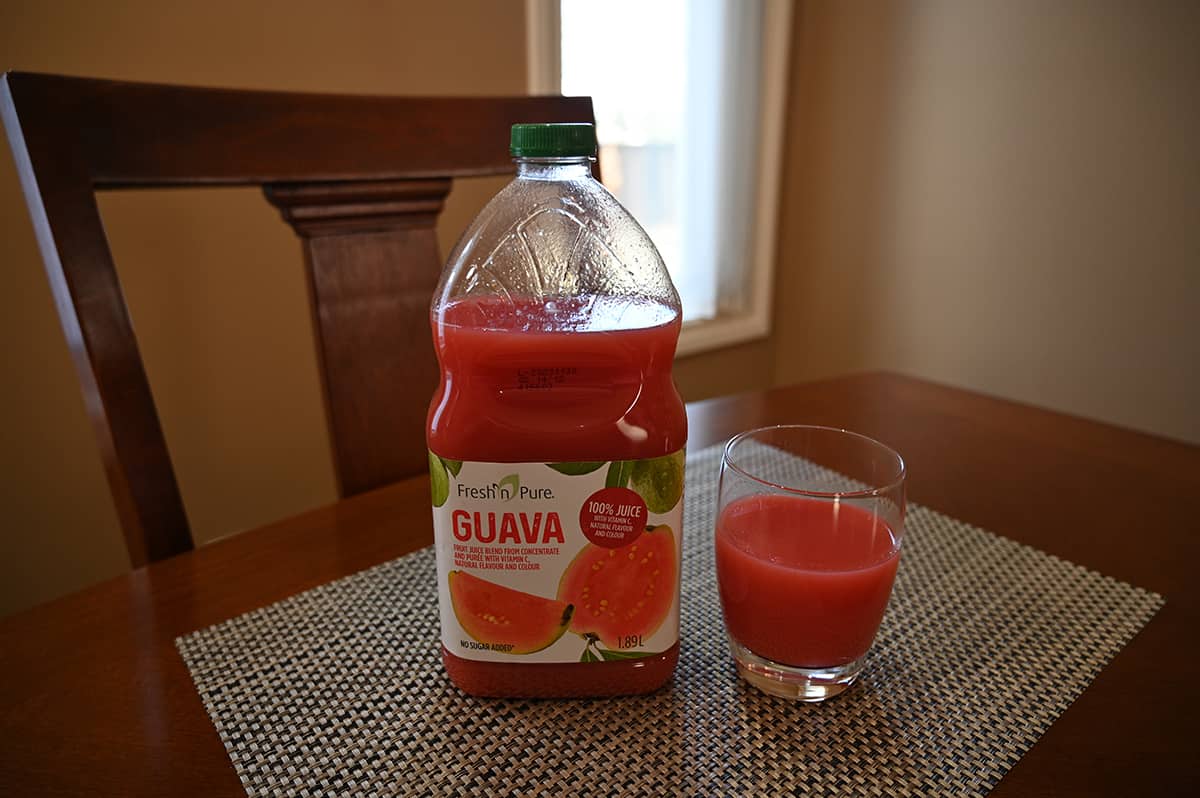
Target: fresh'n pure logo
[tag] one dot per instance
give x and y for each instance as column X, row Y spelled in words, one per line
column 506, row 489
column 444, row 481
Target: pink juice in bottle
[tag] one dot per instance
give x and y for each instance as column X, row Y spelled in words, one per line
column 804, row 582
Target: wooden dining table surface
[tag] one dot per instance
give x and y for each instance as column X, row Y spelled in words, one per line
column 95, row 700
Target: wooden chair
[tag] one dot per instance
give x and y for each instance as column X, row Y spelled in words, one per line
column 360, row 179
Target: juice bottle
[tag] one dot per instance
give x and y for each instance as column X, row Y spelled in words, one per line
column 556, row 438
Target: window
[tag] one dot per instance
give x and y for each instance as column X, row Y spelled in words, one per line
column 689, row 108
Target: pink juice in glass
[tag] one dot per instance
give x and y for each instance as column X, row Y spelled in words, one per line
column 804, row 582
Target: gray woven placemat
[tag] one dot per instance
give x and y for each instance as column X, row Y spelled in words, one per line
column 340, row 690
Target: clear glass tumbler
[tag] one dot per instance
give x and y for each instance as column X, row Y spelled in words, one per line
column 810, row 522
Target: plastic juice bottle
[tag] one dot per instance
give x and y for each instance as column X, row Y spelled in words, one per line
column 556, row 438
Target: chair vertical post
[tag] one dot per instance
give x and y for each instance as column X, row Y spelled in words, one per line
column 372, row 258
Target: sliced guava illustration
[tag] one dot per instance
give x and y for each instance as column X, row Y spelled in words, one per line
column 624, row 594
column 507, row 620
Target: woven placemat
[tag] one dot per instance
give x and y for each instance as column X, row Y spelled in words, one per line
column 340, row 690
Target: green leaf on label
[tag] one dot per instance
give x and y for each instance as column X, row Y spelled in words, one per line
column 453, row 466
column 439, row 482
column 510, row 486
column 588, row 656
column 576, row 469
column 614, row 656
column 619, row 473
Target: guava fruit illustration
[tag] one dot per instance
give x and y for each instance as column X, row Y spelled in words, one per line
column 439, row 480
column 659, row 481
column 506, row 619
column 623, row 594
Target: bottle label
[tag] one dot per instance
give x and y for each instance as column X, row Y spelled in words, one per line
column 558, row 562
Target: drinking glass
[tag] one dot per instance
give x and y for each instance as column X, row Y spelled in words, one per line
column 810, row 522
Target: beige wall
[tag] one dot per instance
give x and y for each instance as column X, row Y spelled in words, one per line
column 213, row 279
column 999, row 195
column 995, row 195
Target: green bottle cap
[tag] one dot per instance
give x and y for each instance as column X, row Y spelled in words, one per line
column 559, row 140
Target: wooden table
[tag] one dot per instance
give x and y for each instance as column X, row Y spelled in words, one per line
column 94, row 699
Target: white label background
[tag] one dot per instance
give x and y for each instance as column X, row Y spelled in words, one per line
column 570, row 493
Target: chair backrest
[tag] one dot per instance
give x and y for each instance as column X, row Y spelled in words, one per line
column 360, row 179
